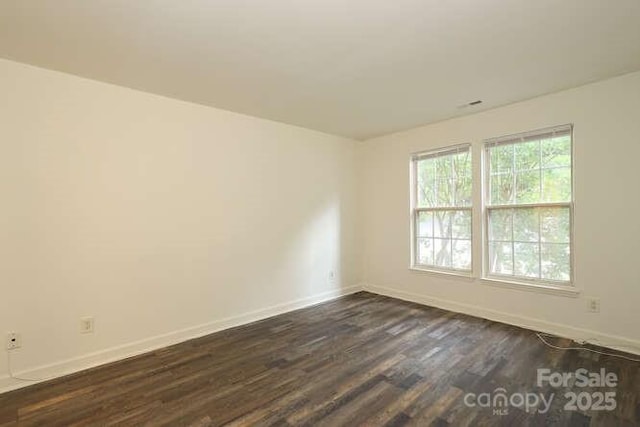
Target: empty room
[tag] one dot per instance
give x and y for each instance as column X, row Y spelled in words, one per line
column 319, row 213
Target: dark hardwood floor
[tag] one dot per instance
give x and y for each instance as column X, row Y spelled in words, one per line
column 360, row 360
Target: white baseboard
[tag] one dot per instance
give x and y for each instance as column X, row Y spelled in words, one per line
column 69, row 366
column 582, row 335
column 86, row 361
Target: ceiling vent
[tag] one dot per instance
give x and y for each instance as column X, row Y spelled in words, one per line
column 469, row 104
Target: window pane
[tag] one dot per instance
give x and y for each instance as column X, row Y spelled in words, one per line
column 462, row 192
column 462, row 164
column 444, row 182
column 556, row 185
column 444, row 192
column 461, row 225
column 525, row 225
column 526, row 260
column 442, row 224
column 555, row 225
column 556, row 151
column 424, row 251
column 425, row 224
column 527, row 156
column 443, row 252
column 461, row 254
column 500, row 224
column 556, row 261
column 501, row 189
column 500, row 258
column 530, row 240
column 443, row 167
column 501, row 159
column 462, row 182
column 528, row 187
column 425, row 170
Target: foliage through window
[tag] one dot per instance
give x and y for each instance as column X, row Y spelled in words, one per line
column 442, row 209
column 528, row 186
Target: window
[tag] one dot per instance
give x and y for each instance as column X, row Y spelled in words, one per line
column 529, row 206
column 441, row 209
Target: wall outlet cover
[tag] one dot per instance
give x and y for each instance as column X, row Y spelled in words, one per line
column 593, row 305
column 86, row 325
column 14, row 340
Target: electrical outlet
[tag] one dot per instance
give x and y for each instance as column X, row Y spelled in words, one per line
column 593, row 305
column 332, row 276
column 14, row 340
column 86, row 325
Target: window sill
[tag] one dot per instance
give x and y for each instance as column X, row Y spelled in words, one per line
column 450, row 274
column 566, row 291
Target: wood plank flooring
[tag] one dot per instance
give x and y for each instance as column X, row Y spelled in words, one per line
column 360, row 360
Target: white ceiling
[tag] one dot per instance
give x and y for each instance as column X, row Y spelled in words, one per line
column 358, row 68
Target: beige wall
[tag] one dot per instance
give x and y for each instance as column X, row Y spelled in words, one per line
column 157, row 217
column 164, row 219
column 606, row 116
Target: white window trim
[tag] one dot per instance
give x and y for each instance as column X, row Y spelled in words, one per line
column 480, row 222
column 562, row 290
column 413, row 211
column 566, row 288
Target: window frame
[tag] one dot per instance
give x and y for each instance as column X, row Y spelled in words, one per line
column 486, row 208
column 415, row 210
